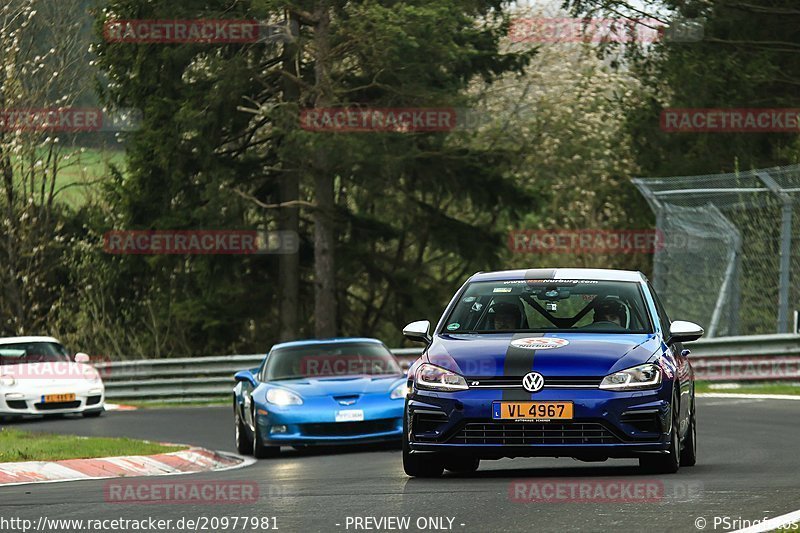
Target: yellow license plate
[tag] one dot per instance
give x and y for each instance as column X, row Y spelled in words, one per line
column 58, row 398
column 532, row 410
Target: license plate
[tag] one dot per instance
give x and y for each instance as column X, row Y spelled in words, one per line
column 58, row 398
column 532, row 410
column 350, row 415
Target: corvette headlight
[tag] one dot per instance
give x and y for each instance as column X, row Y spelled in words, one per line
column 399, row 392
column 432, row 377
column 283, row 397
column 7, row 381
column 638, row 377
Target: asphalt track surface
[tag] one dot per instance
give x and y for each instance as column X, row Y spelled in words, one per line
column 748, row 468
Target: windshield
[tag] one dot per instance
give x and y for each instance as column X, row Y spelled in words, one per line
column 328, row 360
column 550, row 306
column 32, row 352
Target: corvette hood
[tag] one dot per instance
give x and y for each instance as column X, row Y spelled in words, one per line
column 340, row 385
column 552, row 354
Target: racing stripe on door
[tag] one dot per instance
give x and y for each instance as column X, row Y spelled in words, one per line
column 517, row 363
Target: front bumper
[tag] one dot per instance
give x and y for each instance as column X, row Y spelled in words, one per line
column 314, row 422
column 90, row 397
column 605, row 424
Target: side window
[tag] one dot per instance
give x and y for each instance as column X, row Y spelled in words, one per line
column 662, row 313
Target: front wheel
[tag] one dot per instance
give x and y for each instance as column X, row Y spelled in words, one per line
column 419, row 464
column 462, row 465
column 244, row 445
column 670, row 462
column 261, row 451
column 93, row 414
column 689, row 452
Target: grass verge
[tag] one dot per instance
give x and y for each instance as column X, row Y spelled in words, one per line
column 17, row 445
column 748, row 388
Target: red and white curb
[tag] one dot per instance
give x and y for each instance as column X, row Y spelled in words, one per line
column 119, row 407
column 183, row 462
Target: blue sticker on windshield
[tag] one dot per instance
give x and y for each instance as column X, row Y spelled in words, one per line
column 453, row 326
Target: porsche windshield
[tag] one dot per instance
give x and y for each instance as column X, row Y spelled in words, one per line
column 329, row 360
column 32, row 352
column 550, row 306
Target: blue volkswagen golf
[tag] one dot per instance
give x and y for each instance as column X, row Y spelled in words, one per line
column 581, row 363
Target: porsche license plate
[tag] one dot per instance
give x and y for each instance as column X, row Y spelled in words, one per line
column 532, row 410
column 58, row 398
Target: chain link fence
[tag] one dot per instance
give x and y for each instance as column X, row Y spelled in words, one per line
column 728, row 245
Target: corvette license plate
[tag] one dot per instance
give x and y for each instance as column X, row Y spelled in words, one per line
column 350, row 415
column 532, row 410
column 58, row 398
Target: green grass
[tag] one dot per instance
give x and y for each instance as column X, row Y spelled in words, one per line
column 17, row 445
column 750, row 388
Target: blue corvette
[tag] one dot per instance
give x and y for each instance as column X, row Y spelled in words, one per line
column 332, row 391
column 579, row 363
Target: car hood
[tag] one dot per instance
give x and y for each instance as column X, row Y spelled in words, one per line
column 340, row 385
column 46, row 374
column 561, row 354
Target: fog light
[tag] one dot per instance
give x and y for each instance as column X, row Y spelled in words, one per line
column 15, row 396
column 280, row 428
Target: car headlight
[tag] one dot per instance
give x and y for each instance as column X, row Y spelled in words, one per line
column 7, row 381
column 399, row 392
column 90, row 373
column 432, row 377
column 283, row 397
column 638, row 377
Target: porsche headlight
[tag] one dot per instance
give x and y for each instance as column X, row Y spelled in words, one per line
column 638, row 377
column 283, row 397
column 90, row 373
column 432, row 377
column 399, row 392
column 7, row 381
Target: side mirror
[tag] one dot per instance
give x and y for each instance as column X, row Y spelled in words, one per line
column 418, row 331
column 682, row 331
column 81, row 357
column 245, row 376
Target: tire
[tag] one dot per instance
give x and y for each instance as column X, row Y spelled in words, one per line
column 667, row 463
column 260, row 451
column 419, row 465
column 689, row 452
column 244, row 444
column 462, row 465
column 93, row 414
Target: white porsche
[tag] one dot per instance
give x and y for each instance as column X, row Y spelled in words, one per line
column 38, row 377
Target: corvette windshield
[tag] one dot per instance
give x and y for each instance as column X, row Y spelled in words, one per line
column 329, row 360
column 550, row 306
column 32, row 352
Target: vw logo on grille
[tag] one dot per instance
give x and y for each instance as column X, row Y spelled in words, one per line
column 533, row 382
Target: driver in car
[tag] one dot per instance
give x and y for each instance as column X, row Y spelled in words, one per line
column 506, row 316
column 610, row 311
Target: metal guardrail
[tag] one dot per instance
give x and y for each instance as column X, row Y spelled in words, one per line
column 748, row 358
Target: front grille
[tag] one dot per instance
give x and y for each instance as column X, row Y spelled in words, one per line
column 528, row 433
column 92, row 400
column 348, row 429
column 17, row 404
column 515, row 382
column 57, row 405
